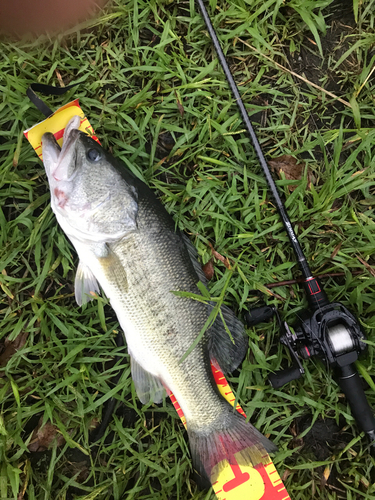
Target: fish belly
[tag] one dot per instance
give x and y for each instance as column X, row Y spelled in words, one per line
column 159, row 326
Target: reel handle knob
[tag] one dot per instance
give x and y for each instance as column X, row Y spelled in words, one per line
column 259, row 314
column 282, row 377
column 351, row 385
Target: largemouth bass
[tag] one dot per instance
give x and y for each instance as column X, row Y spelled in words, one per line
column 128, row 246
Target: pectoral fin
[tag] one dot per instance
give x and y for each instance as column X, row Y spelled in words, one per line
column 114, row 269
column 85, row 285
column 148, row 387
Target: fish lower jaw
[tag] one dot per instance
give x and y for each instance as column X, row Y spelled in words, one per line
column 59, row 176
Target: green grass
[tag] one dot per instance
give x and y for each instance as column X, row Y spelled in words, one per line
column 135, row 65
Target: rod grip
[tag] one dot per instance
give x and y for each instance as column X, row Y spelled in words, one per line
column 282, row 377
column 351, row 385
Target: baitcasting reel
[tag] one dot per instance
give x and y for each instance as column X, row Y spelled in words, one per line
column 332, row 334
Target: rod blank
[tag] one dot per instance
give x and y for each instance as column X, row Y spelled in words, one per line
column 305, row 269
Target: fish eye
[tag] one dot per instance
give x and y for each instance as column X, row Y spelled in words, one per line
column 93, row 155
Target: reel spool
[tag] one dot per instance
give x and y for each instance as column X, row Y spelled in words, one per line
column 340, row 339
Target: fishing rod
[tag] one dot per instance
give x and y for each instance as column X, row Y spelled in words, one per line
column 328, row 331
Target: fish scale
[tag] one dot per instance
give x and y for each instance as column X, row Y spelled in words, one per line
column 162, row 333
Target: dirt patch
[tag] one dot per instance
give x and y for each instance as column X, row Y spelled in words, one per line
column 335, row 43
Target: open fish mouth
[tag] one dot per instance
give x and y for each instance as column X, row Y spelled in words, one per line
column 68, row 151
column 58, row 161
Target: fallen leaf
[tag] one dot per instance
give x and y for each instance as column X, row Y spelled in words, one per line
column 208, row 270
column 218, row 256
column 10, row 348
column 21, row 494
column 365, row 482
column 7, row 291
column 370, row 269
column 43, row 437
column 293, row 429
column 179, row 105
column 336, row 250
column 93, row 423
column 59, row 77
column 291, row 169
column 326, row 474
column 162, row 161
column 81, row 469
column 358, row 173
column 286, row 474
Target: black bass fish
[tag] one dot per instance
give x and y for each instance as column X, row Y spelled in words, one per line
column 128, row 245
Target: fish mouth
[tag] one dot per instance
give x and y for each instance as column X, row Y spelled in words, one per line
column 61, row 160
column 68, row 150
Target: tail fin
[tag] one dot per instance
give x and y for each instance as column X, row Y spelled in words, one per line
column 227, row 436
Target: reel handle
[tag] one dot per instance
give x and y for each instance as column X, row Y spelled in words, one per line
column 351, row 385
column 282, row 377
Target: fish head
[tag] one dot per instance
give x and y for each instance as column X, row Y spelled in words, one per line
column 92, row 200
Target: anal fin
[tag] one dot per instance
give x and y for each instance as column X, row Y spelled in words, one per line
column 85, row 285
column 148, row 387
